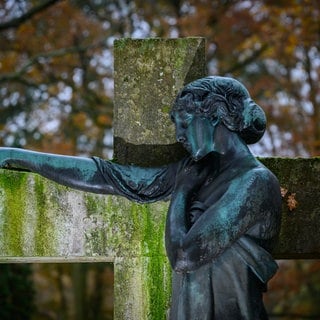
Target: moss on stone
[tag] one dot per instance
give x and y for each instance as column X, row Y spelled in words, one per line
column 13, row 184
column 47, row 197
column 156, row 266
column 158, row 285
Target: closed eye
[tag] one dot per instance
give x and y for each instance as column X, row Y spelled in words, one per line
column 186, row 120
column 185, row 124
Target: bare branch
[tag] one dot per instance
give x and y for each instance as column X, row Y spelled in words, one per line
column 16, row 22
column 253, row 57
column 18, row 75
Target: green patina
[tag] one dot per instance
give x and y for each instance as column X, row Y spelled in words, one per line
column 147, row 46
column 91, row 204
column 139, row 238
column 14, row 185
column 121, row 231
column 166, row 109
column 158, row 283
column 121, row 43
column 17, row 221
column 156, row 268
column 182, row 51
column 44, row 229
column 149, row 219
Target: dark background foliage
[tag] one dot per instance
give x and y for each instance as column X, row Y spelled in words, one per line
column 56, row 86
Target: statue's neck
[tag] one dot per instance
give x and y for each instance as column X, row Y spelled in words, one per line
column 232, row 150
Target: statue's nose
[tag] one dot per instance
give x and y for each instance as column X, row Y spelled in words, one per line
column 181, row 134
column 181, row 138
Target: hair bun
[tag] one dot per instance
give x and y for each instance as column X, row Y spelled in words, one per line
column 254, row 122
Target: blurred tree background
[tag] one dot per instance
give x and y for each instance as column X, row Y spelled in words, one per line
column 56, row 291
column 56, row 82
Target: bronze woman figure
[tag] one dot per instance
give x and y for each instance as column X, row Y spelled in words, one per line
column 224, row 214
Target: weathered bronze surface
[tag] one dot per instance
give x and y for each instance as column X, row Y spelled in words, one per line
column 224, row 215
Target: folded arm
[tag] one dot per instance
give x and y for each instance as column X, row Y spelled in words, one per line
column 249, row 199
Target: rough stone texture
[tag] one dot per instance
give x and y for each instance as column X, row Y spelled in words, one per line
column 143, row 287
column 42, row 221
column 39, row 218
column 148, row 75
column 300, row 183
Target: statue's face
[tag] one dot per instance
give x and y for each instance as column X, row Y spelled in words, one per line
column 195, row 132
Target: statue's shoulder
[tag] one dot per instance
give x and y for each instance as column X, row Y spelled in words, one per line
column 261, row 178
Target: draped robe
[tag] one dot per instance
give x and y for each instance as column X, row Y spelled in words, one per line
column 230, row 284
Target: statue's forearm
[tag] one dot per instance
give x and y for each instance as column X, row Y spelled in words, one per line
column 76, row 172
column 176, row 229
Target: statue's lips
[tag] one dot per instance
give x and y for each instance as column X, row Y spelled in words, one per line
column 187, row 146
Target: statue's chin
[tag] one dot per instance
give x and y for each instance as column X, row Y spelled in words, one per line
column 200, row 154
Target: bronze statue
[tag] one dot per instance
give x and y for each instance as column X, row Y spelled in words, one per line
column 224, row 214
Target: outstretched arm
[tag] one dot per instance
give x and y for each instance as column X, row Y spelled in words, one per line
column 94, row 174
column 76, row 172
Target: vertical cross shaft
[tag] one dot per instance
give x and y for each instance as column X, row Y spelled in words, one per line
column 148, row 75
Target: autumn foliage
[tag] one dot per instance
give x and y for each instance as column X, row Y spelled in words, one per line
column 56, row 80
column 56, row 70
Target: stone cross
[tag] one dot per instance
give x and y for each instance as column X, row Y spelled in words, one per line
column 41, row 221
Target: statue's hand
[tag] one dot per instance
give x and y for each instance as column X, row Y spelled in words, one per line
column 4, row 157
column 193, row 174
